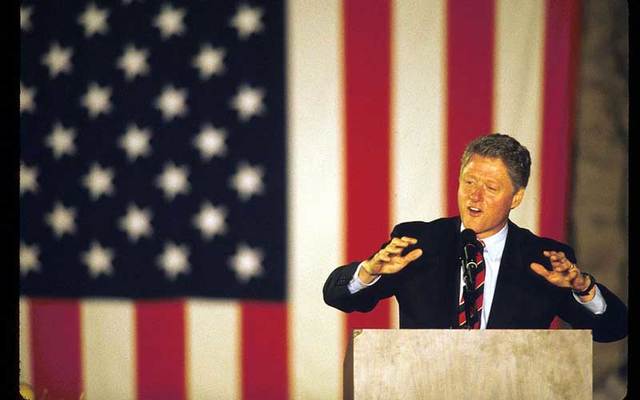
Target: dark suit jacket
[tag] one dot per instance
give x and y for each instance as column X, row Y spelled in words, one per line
column 428, row 289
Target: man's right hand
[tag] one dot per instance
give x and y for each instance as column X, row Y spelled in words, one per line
column 389, row 260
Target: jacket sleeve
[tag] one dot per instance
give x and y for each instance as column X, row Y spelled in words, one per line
column 609, row 326
column 336, row 292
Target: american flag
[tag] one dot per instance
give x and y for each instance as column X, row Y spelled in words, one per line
column 191, row 171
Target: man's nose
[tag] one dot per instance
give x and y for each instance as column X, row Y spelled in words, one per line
column 476, row 193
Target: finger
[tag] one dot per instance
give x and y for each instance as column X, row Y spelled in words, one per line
column 561, row 266
column 573, row 273
column 381, row 255
column 540, row 270
column 578, row 277
column 553, row 259
column 566, row 266
column 553, row 254
column 571, row 268
column 398, row 242
column 559, row 261
column 402, row 242
column 557, row 256
column 394, row 250
column 412, row 256
column 409, row 240
column 397, row 245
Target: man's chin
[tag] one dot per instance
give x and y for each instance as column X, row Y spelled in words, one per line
column 471, row 223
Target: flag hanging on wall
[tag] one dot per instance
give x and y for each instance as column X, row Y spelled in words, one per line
column 190, row 173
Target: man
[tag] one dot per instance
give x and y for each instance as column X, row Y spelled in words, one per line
column 522, row 281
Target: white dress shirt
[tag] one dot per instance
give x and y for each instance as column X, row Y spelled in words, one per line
column 493, row 248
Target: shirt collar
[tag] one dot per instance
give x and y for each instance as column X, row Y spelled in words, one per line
column 494, row 244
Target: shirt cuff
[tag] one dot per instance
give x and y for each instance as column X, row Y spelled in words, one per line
column 356, row 285
column 597, row 305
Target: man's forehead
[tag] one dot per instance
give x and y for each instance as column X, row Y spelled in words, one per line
column 479, row 161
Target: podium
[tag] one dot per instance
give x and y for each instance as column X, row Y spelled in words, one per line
column 479, row 364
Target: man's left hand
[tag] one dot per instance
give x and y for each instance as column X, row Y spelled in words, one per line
column 564, row 273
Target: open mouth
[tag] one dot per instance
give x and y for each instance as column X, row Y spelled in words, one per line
column 474, row 211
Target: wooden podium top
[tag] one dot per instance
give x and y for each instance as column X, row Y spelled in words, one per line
column 454, row 364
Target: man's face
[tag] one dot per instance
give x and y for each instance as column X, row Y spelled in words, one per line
column 486, row 195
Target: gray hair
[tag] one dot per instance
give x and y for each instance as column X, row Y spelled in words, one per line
column 514, row 155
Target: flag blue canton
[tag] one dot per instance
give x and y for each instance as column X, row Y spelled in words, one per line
column 152, row 150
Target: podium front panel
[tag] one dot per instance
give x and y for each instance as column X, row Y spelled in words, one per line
column 486, row 364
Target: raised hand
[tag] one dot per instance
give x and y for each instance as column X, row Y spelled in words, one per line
column 563, row 272
column 389, row 259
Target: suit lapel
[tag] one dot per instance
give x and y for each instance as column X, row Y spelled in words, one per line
column 502, row 310
column 451, row 260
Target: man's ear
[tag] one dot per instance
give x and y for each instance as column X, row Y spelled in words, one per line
column 517, row 198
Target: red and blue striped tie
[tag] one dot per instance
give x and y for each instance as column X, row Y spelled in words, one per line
column 477, row 277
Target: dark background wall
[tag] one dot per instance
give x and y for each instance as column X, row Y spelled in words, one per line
column 600, row 206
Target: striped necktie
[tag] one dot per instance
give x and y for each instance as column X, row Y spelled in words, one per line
column 475, row 295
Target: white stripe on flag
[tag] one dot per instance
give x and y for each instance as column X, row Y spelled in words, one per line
column 108, row 351
column 213, row 356
column 25, row 342
column 518, row 89
column 417, row 111
column 315, row 199
column 419, row 89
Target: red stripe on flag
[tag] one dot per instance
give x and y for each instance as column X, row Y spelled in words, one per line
column 367, row 63
column 560, row 70
column 470, row 44
column 55, row 348
column 264, row 351
column 160, row 349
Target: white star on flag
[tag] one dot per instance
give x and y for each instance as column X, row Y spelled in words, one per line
column 247, row 21
column 28, row 179
column 98, row 259
column 173, row 180
column 247, row 180
column 60, row 140
column 210, row 142
column 133, row 62
column 58, row 60
column 61, row 220
column 98, row 181
column 169, row 21
column 136, row 223
column 25, row 18
column 93, row 20
column 248, row 102
column 247, row 263
column 27, row 103
column 174, row 260
column 210, row 220
column 96, row 100
column 29, row 258
column 209, row 61
column 135, row 142
column 172, row 103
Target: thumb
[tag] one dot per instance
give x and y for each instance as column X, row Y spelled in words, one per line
column 540, row 269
